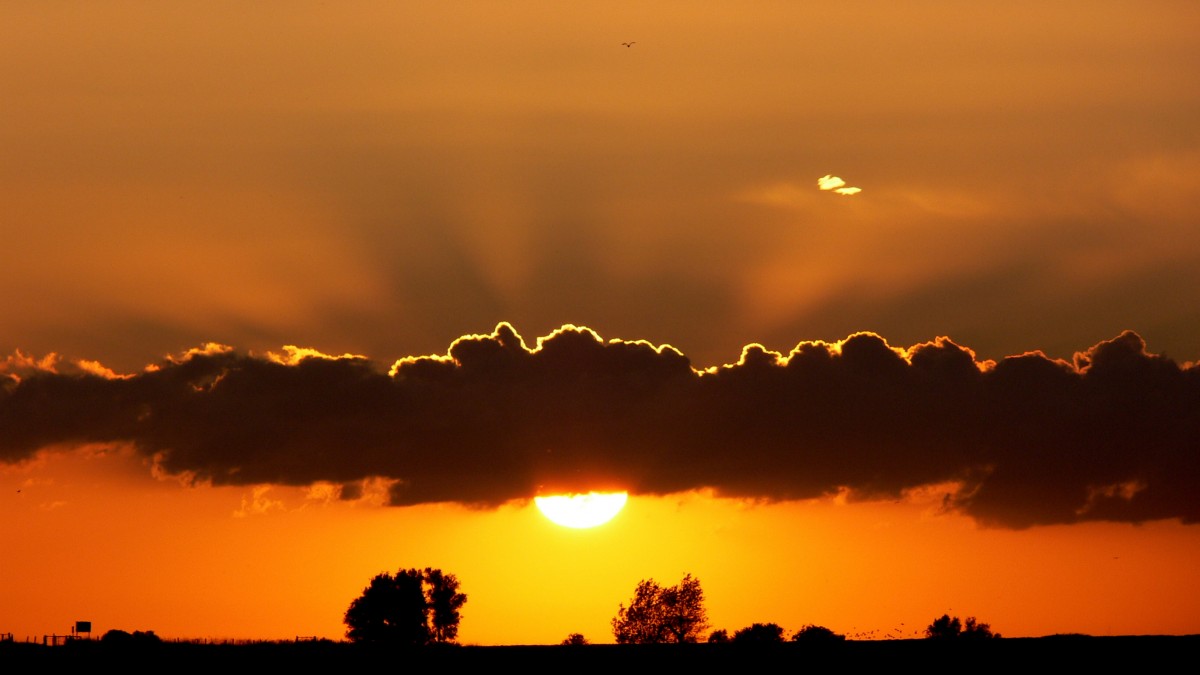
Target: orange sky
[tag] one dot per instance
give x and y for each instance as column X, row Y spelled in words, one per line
column 95, row 538
column 382, row 178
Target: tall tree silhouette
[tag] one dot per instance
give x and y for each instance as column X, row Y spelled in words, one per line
column 444, row 601
column 662, row 613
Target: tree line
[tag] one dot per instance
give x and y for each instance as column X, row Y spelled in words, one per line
column 422, row 607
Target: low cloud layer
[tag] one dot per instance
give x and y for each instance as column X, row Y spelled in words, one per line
column 1029, row 440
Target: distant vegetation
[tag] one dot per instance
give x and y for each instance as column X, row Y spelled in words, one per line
column 417, row 607
column 402, row 613
column 136, row 638
column 947, row 627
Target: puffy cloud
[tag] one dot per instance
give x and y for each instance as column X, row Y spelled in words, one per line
column 828, row 182
column 1112, row 435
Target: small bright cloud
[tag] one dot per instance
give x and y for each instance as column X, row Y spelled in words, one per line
column 828, row 182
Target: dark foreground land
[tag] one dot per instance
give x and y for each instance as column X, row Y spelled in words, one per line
column 1146, row 653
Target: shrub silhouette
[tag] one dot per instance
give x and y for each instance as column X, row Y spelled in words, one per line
column 759, row 633
column 811, row 633
column 125, row 638
column 719, row 636
column 575, row 639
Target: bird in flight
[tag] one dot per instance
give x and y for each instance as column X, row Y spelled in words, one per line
column 629, row 44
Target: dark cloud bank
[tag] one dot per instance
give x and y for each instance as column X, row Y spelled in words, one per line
column 1029, row 440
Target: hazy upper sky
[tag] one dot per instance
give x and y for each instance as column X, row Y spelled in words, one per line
column 381, row 178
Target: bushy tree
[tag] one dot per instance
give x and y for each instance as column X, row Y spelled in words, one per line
column 759, row 633
column 720, row 636
column 640, row 623
column 412, row 607
column 660, row 614
column 575, row 639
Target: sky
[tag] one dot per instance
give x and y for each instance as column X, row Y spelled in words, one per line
column 879, row 312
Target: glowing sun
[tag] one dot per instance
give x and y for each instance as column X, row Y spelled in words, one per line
column 582, row 510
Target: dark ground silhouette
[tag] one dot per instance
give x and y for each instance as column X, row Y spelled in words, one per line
column 1146, row 653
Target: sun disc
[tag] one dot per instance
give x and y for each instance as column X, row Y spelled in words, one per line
column 582, row 510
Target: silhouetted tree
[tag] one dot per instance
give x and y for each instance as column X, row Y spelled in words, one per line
column 972, row 630
column 391, row 609
column 575, row 639
column 444, row 601
column 719, row 636
column 946, row 627
column 662, row 613
column 759, row 633
column 811, row 633
column 413, row 607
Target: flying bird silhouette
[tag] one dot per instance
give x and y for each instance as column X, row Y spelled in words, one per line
column 629, row 44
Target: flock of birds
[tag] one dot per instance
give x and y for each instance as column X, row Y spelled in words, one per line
column 897, row 633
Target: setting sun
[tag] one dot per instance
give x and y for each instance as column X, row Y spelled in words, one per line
column 582, row 510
